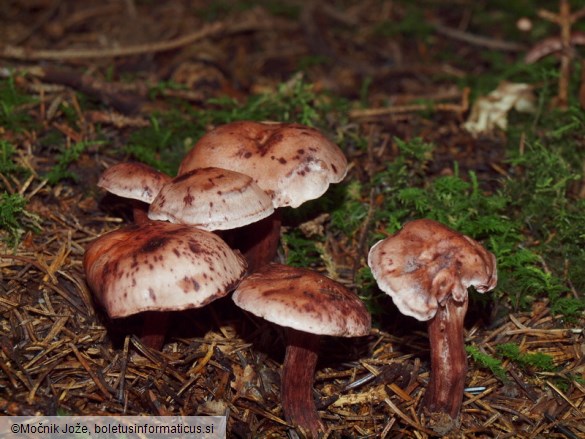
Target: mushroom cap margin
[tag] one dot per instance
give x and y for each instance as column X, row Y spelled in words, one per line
column 133, row 180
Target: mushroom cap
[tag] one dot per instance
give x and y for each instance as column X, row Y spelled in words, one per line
column 292, row 163
column 133, row 180
column 425, row 263
column 158, row 266
column 304, row 300
column 211, row 199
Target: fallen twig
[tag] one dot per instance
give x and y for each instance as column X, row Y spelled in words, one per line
column 210, row 30
column 477, row 40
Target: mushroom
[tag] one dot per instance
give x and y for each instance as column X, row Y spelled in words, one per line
column 308, row 305
column 211, row 199
column 158, row 267
column 292, row 163
column 427, row 268
column 136, row 181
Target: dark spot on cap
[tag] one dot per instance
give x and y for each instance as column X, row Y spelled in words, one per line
column 194, row 247
column 188, row 199
column 151, row 294
column 247, row 154
column 154, row 244
column 334, row 168
column 282, row 160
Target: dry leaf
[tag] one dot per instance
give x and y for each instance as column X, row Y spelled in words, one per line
column 491, row 111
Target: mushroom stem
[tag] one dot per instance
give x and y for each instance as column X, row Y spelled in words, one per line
column 154, row 329
column 139, row 211
column 261, row 244
column 448, row 363
column 258, row 242
column 297, row 382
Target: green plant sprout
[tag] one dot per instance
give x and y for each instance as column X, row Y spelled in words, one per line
column 15, row 219
column 12, row 117
column 7, row 164
column 294, row 101
column 68, row 156
column 159, row 145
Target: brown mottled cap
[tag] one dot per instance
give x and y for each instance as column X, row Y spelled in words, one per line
column 292, row 163
column 133, row 180
column 426, row 262
column 304, row 300
column 158, row 266
column 211, row 199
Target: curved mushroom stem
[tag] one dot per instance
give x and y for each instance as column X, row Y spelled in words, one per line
column 448, row 365
column 297, row 382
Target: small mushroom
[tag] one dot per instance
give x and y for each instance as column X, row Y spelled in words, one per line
column 307, row 304
column 158, row 267
column 427, row 268
column 211, row 199
column 292, row 163
column 135, row 181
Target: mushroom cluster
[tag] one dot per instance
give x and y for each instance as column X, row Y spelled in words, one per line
column 215, row 228
column 231, row 183
column 292, row 163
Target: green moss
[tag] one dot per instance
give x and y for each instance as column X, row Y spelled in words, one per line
column 537, row 360
column 300, row 251
column 171, row 134
column 535, row 206
column 487, row 362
